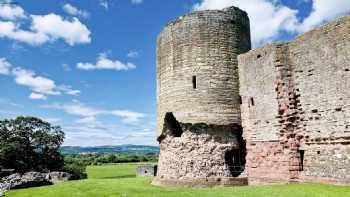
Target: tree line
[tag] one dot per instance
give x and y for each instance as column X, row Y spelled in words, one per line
column 31, row 144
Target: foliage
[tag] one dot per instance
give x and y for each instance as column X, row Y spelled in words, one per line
column 107, row 182
column 124, row 149
column 107, row 158
column 76, row 168
column 28, row 143
column 76, row 164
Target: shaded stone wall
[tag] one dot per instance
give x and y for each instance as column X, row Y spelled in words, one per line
column 297, row 129
column 201, row 48
column 261, row 74
column 322, row 74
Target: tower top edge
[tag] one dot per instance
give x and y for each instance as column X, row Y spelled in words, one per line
column 232, row 10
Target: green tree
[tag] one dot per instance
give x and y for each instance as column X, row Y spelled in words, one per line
column 28, row 143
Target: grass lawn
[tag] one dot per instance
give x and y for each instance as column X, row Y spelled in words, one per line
column 119, row 181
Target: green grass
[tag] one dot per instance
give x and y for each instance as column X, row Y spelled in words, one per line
column 112, row 171
column 119, row 180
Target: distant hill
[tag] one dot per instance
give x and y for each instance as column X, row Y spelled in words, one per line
column 128, row 148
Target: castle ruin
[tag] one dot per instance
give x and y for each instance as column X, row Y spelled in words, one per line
column 229, row 115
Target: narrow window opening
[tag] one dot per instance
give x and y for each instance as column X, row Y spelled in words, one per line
column 318, row 152
column 259, row 56
column 301, row 155
column 240, row 100
column 252, row 101
column 194, row 82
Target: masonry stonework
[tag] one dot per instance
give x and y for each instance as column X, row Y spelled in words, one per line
column 198, row 103
column 276, row 114
column 298, row 128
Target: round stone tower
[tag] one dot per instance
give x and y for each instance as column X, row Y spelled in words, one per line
column 198, row 102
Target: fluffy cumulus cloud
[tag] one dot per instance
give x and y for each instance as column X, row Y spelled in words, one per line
column 11, row 12
column 52, row 25
column 269, row 18
column 42, row 28
column 70, row 9
column 4, row 66
column 39, row 85
column 104, row 63
column 323, row 11
column 12, row 31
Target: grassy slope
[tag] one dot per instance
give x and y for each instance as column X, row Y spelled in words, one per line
column 109, row 181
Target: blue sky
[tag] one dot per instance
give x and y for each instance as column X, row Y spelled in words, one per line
column 89, row 66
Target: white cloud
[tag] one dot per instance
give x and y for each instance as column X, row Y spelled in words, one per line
column 269, row 18
column 37, row 96
column 55, row 27
column 4, row 66
column 323, row 11
column 69, row 9
column 12, row 31
column 68, row 90
column 89, row 114
column 36, row 83
column 128, row 116
column 132, row 54
column 11, row 12
column 104, row 4
column 39, row 85
column 136, row 1
column 103, row 63
column 43, row 29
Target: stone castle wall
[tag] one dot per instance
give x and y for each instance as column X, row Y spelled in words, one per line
column 297, row 129
column 201, row 48
column 198, row 103
column 290, row 101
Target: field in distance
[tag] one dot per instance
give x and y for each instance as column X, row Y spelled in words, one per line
column 119, row 180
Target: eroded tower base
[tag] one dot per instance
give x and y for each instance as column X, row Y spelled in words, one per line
column 200, row 154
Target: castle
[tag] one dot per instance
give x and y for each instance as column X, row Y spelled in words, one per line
column 229, row 115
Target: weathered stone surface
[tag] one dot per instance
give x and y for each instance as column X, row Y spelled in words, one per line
column 198, row 152
column 31, row 179
column 58, row 177
column 301, row 107
column 146, row 170
column 197, row 82
column 292, row 100
column 202, row 47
